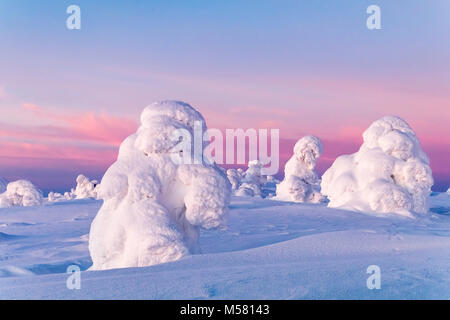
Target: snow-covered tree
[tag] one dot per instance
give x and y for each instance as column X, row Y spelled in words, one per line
column 21, row 193
column 389, row 173
column 235, row 177
column 253, row 181
column 301, row 183
column 153, row 205
column 85, row 188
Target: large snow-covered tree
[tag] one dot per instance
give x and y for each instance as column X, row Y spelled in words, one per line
column 154, row 206
column 389, row 173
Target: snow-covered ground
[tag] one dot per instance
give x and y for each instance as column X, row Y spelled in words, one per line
column 270, row 250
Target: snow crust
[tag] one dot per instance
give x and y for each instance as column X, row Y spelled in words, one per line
column 154, row 206
column 389, row 173
column 21, row 193
column 301, row 183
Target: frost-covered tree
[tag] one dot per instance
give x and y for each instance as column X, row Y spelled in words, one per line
column 85, row 188
column 21, row 193
column 389, row 173
column 153, row 205
column 253, row 181
column 301, row 183
column 235, row 177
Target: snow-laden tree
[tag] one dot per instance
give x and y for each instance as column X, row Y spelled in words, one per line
column 154, row 203
column 235, row 177
column 253, row 181
column 3, row 184
column 85, row 188
column 55, row 197
column 21, row 193
column 301, row 183
column 389, row 173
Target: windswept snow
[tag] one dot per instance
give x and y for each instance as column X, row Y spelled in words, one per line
column 154, row 206
column 270, row 250
column 301, row 183
column 389, row 173
column 21, row 193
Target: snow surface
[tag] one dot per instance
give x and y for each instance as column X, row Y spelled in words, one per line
column 301, row 183
column 389, row 173
column 154, row 203
column 270, row 250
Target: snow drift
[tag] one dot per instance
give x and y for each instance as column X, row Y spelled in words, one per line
column 301, row 183
column 389, row 173
column 21, row 193
column 153, row 206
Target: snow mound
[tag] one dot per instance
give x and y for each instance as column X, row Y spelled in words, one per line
column 21, row 193
column 85, row 188
column 253, row 181
column 389, row 173
column 154, row 206
column 301, row 183
column 3, row 184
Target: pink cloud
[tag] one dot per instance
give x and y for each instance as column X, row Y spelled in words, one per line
column 90, row 126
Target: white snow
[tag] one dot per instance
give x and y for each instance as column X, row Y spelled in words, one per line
column 270, row 250
column 301, row 183
column 153, row 206
column 389, row 173
column 21, row 193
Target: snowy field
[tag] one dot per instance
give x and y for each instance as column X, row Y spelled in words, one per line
column 270, row 250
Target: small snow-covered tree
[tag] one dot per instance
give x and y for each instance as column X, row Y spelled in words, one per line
column 154, row 206
column 235, row 177
column 21, row 193
column 301, row 183
column 85, row 188
column 253, row 181
column 389, row 173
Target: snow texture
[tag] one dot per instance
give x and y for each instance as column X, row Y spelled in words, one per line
column 270, row 250
column 389, row 173
column 21, row 193
column 301, row 183
column 154, row 206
